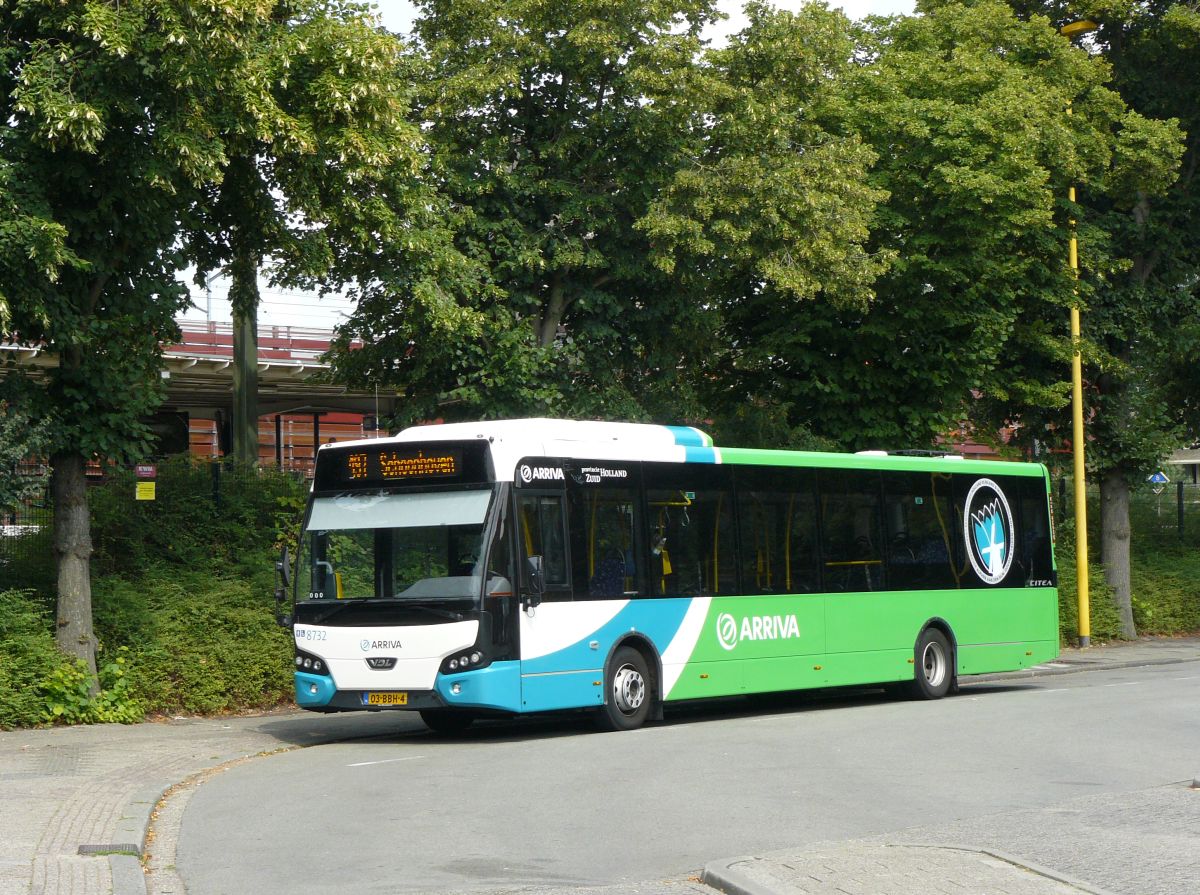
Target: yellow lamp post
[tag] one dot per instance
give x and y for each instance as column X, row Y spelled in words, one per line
column 1072, row 30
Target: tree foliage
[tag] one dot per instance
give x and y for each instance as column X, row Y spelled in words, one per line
column 21, row 439
column 614, row 192
column 319, row 165
column 1140, row 260
column 101, row 107
column 768, row 227
column 122, row 121
column 964, row 109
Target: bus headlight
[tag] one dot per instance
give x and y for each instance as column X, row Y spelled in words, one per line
column 466, row 662
column 311, row 664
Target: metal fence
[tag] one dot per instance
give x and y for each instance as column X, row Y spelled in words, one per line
column 25, row 528
column 1167, row 510
column 185, row 490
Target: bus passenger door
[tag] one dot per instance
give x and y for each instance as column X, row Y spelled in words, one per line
column 557, row 670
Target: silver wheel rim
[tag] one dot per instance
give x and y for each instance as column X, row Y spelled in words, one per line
column 933, row 664
column 629, row 689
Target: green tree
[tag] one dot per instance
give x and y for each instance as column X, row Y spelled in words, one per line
column 551, row 128
column 964, row 108
column 98, row 139
column 120, row 122
column 320, row 157
column 612, row 190
column 767, row 226
column 1140, row 260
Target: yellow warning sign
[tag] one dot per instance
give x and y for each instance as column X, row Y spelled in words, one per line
column 145, row 490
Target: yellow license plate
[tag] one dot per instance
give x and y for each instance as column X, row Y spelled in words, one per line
column 385, row 699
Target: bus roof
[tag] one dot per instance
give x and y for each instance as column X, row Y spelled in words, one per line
column 511, row 440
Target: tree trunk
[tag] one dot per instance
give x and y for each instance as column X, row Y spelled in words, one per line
column 243, row 294
column 72, row 554
column 1114, row 545
column 547, row 332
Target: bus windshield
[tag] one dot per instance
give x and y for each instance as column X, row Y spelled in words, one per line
column 416, row 546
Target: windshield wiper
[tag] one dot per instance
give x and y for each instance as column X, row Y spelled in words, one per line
column 390, row 601
column 434, row 610
column 334, row 610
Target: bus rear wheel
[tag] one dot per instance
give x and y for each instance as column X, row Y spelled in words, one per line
column 934, row 673
column 447, row 720
column 628, row 691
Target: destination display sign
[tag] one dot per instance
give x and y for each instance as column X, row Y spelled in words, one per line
column 383, row 466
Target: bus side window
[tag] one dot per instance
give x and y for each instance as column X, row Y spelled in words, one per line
column 604, row 539
column 851, row 534
column 1036, row 541
column 542, row 533
column 778, row 521
column 692, row 541
column 921, row 531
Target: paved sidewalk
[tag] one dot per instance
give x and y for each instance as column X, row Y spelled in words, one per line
column 865, row 868
column 76, row 802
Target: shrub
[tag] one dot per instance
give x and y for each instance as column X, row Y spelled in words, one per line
column 1102, row 611
column 38, row 684
column 28, row 560
column 198, row 643
column 1166, row 589
column 28, row 656
column 204, row 515
column 67, row 696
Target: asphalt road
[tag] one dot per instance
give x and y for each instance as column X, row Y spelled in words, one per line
column 545, row 803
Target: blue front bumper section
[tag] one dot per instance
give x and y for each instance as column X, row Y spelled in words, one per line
column 498, row 686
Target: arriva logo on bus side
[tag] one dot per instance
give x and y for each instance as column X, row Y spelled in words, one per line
column 755, row 627
column 539, row 473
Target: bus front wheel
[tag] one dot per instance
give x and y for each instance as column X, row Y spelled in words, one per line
column 628, row 691
column 934, row 673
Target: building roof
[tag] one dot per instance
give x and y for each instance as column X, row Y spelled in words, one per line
column 199, row 371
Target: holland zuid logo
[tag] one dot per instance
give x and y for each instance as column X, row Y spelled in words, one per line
column 989, row 531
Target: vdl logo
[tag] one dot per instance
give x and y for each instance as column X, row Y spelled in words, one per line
column 755, row 627
column 988, row 531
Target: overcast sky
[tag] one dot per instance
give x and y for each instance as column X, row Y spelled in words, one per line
column 398, row 14
column 288, row 308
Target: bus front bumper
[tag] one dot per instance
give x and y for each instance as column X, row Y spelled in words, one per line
column 498, row 686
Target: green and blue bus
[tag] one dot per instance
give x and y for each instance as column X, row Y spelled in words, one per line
column 517, row 566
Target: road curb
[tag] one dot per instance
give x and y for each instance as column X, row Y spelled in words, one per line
column 724, row 876
column 1049, row 873
column 1072, row 669
column 128, row 878
column 128, row 874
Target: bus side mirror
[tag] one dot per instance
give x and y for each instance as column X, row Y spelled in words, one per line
column 534, row 579
column 283, row 570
